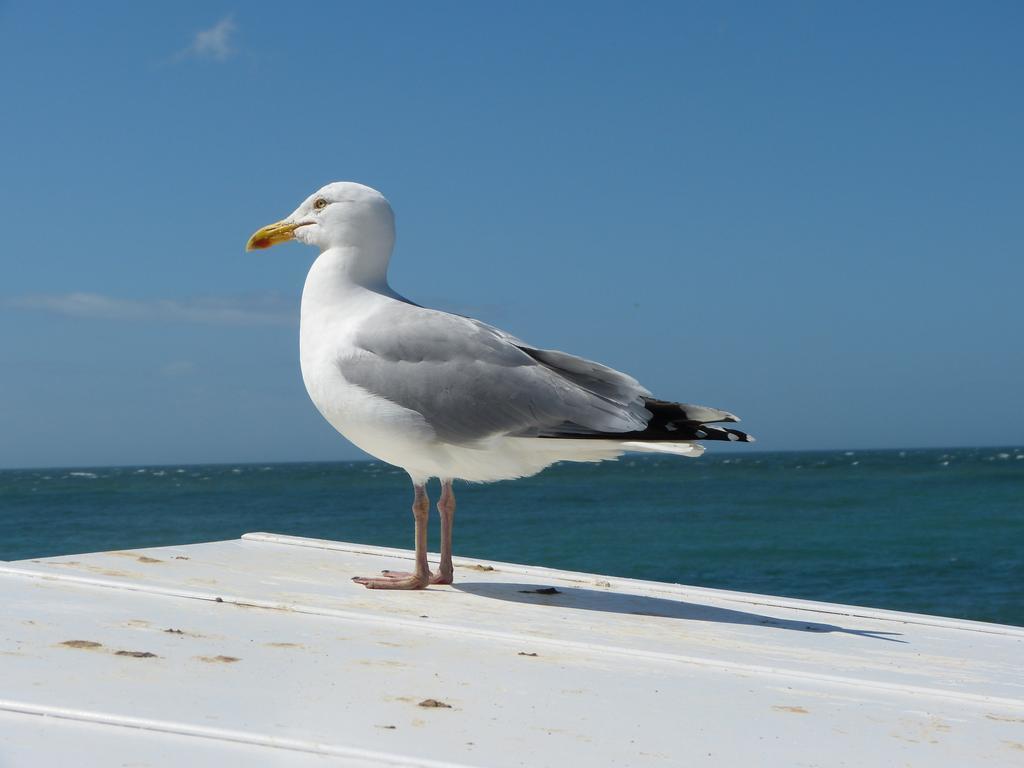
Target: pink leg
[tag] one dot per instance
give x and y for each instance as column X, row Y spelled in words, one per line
column 419, row 579
column 446, row 506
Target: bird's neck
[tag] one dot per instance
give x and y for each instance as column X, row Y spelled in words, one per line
column 341, row 271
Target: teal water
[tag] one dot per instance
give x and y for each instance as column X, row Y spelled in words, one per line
column 930, row 531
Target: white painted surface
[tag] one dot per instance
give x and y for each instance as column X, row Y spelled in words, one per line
column 281, row 661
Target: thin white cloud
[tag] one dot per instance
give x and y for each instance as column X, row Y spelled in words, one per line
column 213, row 42
column 223, row 310
column 177, row 368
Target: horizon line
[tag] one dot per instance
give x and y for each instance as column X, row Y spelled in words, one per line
column 368, row 460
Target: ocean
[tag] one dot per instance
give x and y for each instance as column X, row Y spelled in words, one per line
column 929, row 531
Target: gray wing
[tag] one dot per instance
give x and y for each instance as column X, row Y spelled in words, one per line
column 471, row 381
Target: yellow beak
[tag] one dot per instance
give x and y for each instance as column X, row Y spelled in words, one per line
column 272, row 234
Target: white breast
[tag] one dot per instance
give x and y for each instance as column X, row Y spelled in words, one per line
column 381, row 428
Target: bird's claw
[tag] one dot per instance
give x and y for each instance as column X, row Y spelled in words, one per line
column 393, row 580
column 402, row 580
column 435, row 578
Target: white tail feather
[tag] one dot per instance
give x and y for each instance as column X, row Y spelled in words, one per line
column 692, row 450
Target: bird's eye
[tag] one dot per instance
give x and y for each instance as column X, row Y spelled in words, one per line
column 319, row 203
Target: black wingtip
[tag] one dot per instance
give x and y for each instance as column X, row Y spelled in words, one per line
column 669, row 422
column 740, row 437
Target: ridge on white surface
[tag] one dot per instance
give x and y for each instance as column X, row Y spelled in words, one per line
column 260, row 651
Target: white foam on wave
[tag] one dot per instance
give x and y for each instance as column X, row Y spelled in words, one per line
column 90, row 475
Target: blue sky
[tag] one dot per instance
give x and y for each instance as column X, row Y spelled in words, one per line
column 806, row 213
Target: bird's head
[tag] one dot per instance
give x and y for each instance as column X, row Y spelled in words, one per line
column 342, row 214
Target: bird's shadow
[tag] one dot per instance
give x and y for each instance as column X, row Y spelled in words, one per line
column 580, row 598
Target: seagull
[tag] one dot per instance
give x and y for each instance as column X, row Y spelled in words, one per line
column 446, row 396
